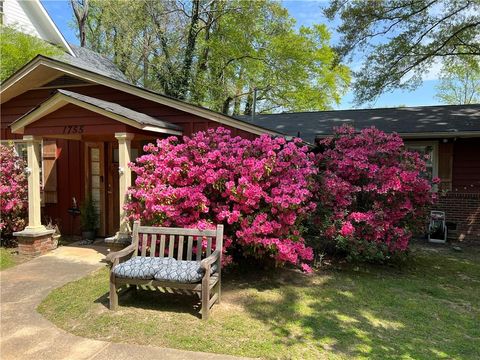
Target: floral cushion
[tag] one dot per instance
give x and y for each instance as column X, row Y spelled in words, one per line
column 140, row 267
column 182, row 271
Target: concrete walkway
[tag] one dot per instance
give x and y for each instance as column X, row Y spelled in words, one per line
column 25, row 334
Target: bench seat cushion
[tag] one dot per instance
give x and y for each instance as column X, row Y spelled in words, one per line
column 140, row 267
column 182, row 271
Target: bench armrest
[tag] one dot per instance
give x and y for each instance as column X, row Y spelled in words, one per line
column 207, row 262
column 115, row 257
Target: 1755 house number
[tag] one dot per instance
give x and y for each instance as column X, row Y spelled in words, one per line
column 73, row 129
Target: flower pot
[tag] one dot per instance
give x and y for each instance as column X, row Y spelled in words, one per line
column 55, row 239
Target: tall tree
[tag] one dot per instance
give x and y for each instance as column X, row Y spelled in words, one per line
column 401, row 39
column 214, row 53
column 18, row 48
column 80, row 9
column 460, row 81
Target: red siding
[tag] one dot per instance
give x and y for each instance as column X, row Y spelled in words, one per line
column 21, row 104
column 70, row 163
column 466, row 165
column 91, row 123
column 70, row 183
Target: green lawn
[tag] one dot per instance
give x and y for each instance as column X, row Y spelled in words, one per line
column 6, row 258
column 425, row 310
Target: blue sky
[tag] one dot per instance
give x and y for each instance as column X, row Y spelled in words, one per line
column 305, row 13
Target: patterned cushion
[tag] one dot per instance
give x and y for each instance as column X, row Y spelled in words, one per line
column 140, row 267
column 182, row 271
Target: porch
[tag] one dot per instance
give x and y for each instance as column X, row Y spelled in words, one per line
column 90, row 143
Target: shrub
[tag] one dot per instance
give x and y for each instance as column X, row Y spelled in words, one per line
column 372, row 192
column 13, row 193
column 260, row 189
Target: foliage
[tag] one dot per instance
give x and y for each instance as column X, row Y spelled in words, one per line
column 460, row 81
column 260, row 189
column 13, row 192
column 88, row 215
column 402, row 39
column 18, row 48
column 372, row 193
column 216, row 53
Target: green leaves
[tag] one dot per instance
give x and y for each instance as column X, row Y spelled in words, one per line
column 18, row 48
column 400, row 40
column 216, row 53
column 460, row 81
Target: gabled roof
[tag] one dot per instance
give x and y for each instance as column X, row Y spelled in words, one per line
column 42, row 69
column 112, row 110
column 94, row 62
column 412, row 122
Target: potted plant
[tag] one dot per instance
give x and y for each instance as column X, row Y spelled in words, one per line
column 88, row 219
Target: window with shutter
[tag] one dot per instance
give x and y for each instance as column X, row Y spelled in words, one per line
column 445, row 165
column 49, row 157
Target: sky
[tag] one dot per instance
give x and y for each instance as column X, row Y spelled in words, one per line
column 306, row 13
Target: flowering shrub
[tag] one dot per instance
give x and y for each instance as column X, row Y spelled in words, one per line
column 261, row 190
column 13, row 192
column 372, row 193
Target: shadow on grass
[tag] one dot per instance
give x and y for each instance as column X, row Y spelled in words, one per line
column 427, row 309
column 375, row 312
column 155, row 300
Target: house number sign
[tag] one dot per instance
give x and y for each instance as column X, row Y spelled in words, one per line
column 73, row 129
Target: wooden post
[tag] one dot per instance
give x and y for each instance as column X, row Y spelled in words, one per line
column 125, row 177
column 206, row 294
column 33, row 173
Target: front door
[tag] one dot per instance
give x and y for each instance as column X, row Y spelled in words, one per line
column 95, row 180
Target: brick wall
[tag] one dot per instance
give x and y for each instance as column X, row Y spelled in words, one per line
column 34, row 246
column 462, row 209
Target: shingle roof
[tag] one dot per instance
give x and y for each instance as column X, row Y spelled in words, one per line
column 446, row 119
column 94, row 62
column 114, row 108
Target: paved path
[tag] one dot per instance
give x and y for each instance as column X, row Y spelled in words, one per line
column 25, row 334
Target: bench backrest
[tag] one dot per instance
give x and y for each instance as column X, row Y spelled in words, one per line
column 178, row 243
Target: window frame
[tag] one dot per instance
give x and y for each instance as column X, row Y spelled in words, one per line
column 412, row 144
column 21, row 141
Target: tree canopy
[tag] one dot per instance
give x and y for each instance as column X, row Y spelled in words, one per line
column 18, row 48
column 460, row 81
column 216, row 53
column 402, row 39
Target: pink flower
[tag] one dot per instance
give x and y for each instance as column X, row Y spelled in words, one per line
column 306, row 268
column 347, row 229
column 260, row 189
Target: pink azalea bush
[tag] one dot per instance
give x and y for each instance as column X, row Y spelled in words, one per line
column 261, row 190
column 13, row 193
column 373, row 195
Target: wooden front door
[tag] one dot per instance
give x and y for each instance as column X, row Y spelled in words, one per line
column 95, row 180
column 113, row 223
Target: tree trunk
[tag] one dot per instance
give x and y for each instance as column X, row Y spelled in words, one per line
column 189, row 51
column 249, row 103
column 226, row 105
column 80, row 9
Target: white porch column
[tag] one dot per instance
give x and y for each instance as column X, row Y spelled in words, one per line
column 33, row 173
column 125, row 177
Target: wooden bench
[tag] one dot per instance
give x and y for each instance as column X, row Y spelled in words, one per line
column 186, row 244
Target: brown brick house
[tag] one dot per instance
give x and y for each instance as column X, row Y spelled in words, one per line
column 450, row 134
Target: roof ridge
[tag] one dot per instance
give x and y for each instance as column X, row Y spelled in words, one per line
column 366, row 109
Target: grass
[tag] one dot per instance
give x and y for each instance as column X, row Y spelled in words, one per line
column 428, row 309
column 6, row 258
